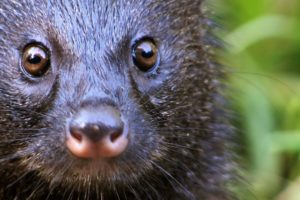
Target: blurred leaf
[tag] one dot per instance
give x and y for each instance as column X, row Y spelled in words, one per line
column 291, row 192
column 264, row 51
column 286, row 141
column 259, row 29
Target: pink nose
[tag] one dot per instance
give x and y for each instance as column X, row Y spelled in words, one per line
column 97, row 133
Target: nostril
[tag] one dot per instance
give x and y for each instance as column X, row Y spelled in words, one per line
column 77, row 136
column 115, row 136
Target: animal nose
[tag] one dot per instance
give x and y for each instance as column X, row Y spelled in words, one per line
column 97, row 133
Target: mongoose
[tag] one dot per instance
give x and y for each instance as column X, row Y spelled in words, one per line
column 111, row 100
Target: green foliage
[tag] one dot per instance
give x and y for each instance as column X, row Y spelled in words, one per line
column 263, row 60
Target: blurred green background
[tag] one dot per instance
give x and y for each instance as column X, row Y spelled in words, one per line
column 262, row 38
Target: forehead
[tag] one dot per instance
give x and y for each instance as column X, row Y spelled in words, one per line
column 101, row 19
column 79, row 22
column 114, row 16
column 96, row 13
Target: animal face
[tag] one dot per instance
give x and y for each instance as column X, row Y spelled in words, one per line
column 105, row 94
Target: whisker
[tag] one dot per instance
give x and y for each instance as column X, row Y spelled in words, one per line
column 170, row 177
column 18, row 179
column 177, row 146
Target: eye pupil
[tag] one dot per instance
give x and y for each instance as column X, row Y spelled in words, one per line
column 146, row 50
column 147, row 54
column 34, row 59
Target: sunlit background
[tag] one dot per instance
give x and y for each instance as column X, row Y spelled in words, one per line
column 262, row 38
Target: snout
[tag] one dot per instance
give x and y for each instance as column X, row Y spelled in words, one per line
column 96, row 133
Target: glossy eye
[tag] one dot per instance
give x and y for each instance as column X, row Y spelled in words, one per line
column 145, row 55
column 35, row 60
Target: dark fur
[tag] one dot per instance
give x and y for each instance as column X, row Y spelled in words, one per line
column 179, row 135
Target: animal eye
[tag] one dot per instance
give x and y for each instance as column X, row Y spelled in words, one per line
column 35, row 60
column 145, row 55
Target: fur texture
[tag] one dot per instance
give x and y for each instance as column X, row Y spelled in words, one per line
column 179, row 135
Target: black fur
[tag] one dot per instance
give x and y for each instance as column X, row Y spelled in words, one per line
column 179, row 136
